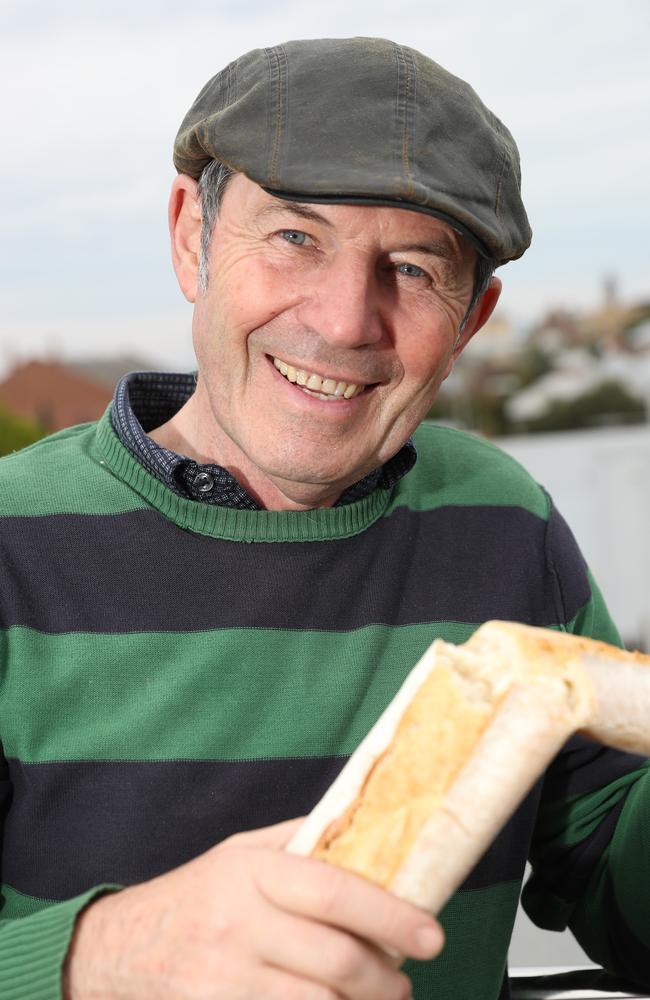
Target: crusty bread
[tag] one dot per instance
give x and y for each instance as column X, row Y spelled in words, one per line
column 466, row 736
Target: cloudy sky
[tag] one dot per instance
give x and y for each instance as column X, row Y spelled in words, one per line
column 93, row 93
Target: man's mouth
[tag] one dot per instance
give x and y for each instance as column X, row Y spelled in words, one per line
column 316, row 385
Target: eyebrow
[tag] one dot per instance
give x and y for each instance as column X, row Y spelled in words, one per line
column 442, row 247
column 298, row 208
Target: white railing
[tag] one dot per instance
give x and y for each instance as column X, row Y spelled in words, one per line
column 570, row 984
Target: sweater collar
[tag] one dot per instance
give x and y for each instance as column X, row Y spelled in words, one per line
column 233, row 524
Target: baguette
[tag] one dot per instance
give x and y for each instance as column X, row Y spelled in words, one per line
column 459, row 746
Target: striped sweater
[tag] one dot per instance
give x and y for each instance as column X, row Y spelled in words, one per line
column 173, row 672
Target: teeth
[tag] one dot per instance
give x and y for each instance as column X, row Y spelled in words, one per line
column 315, row 385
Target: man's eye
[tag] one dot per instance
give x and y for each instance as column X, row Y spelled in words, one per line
column 294, row 236
column 412, row 270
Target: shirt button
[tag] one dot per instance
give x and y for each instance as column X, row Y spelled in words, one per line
column 203, row 482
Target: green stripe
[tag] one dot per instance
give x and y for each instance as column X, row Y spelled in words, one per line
column 571, row 820
column 478, row 925
column 16, row 904
column 456, row 468
column 59, row 475
column 466, row 470
column 630, row 855
column 593, row 618
column 148, row 696
column 169, row 695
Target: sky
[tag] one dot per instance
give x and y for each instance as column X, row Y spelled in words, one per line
column 93, row 93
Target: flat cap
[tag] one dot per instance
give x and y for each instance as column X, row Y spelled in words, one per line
column 363, row 121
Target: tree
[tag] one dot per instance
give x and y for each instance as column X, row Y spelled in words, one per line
column 17, row 432
column 608, row 403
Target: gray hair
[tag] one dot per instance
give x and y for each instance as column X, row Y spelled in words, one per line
column 483, row 271
column 211, row 186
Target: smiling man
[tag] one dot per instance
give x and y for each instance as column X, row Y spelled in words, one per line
column 211, row 594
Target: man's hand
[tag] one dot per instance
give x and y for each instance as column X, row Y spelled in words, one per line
column 246, row 921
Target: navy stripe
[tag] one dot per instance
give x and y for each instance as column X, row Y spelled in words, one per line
column 74, row 825
column 463, row 564
column 585, row 766
column 5, row 790
column 92, row 822
column 566, row 563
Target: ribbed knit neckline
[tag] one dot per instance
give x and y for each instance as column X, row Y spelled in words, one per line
column 320, row 524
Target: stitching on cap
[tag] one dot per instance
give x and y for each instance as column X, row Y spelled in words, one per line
column 275, row 120
column 398, row 90
column 279, row 113
column 502, row 165
column 505, row 236
column 269, row 118
column 230, row 95
column 406, row 166
column 283, row 98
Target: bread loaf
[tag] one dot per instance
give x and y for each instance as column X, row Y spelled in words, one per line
column 464, row 739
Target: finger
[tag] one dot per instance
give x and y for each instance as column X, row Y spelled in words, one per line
column 276, row 836
column 344, row 963
column 340, row 898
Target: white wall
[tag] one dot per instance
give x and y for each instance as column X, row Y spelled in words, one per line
column 600, row 481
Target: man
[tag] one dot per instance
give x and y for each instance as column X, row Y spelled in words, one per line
column 212, row 593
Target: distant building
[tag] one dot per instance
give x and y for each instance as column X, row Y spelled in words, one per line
column 605, row 351
column 577, row 372
column 58, row 394
column 611, row 326
column 559, row 329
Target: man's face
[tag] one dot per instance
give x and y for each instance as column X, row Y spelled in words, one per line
column 323, row 336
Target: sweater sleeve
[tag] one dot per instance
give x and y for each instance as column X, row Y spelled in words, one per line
column 33, row 948
column 591, row 856
column 590, row 853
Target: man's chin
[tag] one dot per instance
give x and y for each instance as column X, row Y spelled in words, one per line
column 310, row 487
column 313, row 490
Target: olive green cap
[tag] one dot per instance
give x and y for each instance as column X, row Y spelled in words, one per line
column 362, row 121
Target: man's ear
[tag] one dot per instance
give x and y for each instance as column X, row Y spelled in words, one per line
column 185, row 232
column 479, row 315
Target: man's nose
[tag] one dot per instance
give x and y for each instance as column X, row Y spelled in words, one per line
column 342, row 303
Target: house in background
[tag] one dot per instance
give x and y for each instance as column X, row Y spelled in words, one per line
column 56, row 394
